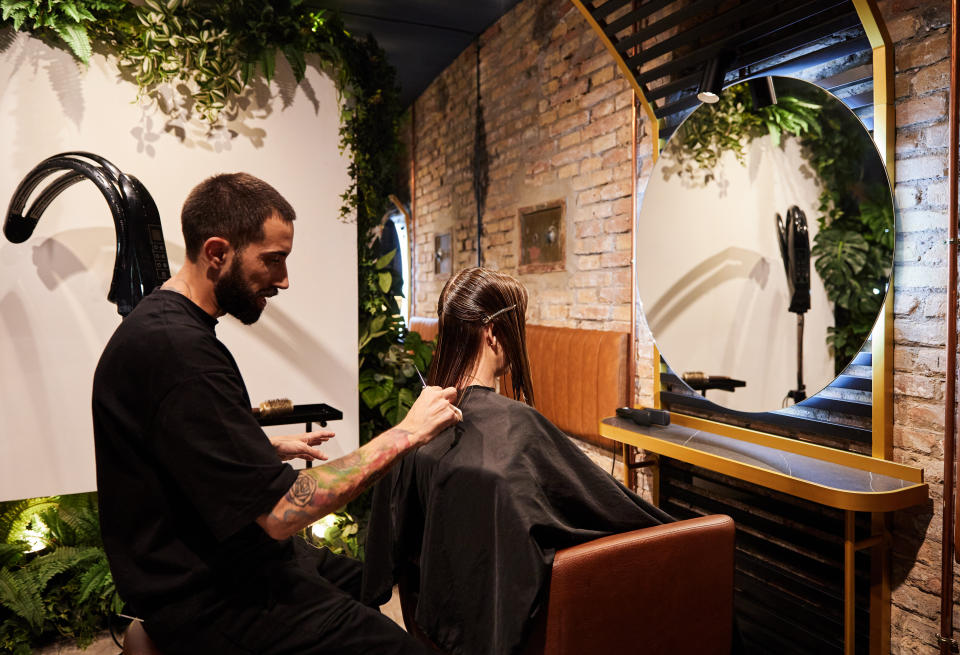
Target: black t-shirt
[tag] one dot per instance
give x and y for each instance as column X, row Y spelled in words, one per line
column 183, row 467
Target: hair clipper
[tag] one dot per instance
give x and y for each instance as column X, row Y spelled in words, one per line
column 645, row 416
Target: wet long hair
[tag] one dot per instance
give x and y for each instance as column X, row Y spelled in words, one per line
column 470, row 301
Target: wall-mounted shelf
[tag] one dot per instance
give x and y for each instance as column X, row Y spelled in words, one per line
column 317, row 412
column 828, row 476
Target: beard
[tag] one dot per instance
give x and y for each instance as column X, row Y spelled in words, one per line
column 235, row 297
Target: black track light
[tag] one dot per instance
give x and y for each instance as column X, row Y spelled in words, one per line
column 711, row 84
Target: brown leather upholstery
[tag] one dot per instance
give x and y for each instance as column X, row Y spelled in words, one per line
column 579, row 377
column 136, row 641
column 427, row 328
column 661, row 590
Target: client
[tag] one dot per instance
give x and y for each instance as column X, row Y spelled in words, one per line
column 483, row 508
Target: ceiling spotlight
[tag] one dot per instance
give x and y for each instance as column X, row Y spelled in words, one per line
column 762, row 92
column 712, row 82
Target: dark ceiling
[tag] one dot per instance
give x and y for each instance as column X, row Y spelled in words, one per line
column 420, row 37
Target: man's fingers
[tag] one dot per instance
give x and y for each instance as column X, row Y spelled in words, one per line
column 314, row 454
column 449, row 394
column 318, row 436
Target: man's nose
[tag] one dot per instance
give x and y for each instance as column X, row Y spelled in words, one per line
column 284, row 282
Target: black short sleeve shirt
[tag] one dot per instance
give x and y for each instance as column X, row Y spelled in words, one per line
column 183, row 467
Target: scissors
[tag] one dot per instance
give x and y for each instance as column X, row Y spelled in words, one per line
column 420, row 375
column 456, row 409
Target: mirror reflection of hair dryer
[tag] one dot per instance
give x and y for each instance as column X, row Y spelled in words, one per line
column 794, row 238
column 141, row 261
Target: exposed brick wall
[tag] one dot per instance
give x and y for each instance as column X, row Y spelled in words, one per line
column 920, row 30
column 557, row 115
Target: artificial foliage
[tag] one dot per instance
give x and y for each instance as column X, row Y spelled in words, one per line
column 853, row 248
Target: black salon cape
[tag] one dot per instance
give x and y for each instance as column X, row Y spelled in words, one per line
column 483, row 508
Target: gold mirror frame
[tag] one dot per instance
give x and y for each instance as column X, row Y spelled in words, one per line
column 884, row 137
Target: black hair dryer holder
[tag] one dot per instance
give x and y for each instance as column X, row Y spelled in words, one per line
column 141, row 262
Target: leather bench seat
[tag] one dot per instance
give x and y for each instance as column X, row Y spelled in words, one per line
column 579, row 376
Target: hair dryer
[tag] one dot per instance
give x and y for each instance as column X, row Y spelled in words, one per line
column 141, row 261
column 795, row 250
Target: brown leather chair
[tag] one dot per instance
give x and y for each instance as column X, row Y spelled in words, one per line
column 426, row 327
column 136, row 641
column 661, row 591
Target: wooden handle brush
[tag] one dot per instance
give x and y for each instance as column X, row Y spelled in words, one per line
column 273, row 407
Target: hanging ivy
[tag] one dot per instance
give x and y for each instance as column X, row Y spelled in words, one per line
column 215, row 50
column 853, row 248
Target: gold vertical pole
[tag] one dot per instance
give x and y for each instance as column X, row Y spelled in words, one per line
column 849, row 588
column 655, row 480
column 884, row 134
column 657, row 371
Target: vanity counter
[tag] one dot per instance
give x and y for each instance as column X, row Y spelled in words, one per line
column 828, row 476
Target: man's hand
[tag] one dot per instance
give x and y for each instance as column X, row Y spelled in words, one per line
column 320, row 490
column 301, row 445
column 431, row 413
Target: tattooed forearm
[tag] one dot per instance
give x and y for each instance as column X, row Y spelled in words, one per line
column 302, row 490
column 323, row 489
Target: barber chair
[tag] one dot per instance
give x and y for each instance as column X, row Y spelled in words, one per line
column 136, row 641
column 666, row 589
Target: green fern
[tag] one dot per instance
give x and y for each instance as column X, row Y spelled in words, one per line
column 65, row 18
column 62, row 559
column 16, row 516
column 81, row 514
column 12, row 553
column 96, row 581
column 19, row 594
column 65, row 589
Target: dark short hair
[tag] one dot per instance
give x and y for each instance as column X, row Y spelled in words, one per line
column 233, row 206
column 470, row 301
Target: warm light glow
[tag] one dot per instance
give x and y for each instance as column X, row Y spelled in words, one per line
column 36, row 537
column 708, row 97
column 320, row 528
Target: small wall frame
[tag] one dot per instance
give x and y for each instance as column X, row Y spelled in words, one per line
column 443, row 254
column 542, row 237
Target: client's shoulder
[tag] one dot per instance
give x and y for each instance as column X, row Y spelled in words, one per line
column 484, row 402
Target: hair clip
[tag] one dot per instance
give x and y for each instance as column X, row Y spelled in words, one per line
column 487, row 319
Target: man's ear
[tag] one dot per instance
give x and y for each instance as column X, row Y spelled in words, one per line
column 215, row 250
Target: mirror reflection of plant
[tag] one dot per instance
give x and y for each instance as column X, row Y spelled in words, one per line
column 854, row 243
column 732, row 122
column 55, row 581
column 853, row 247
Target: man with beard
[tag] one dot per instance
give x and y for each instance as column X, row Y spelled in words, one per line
column 198, row 511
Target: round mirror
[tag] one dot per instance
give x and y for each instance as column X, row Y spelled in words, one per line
column 765, row 243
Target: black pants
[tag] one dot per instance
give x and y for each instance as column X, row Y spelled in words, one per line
column 307, row 607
